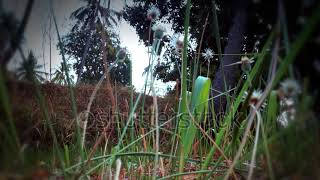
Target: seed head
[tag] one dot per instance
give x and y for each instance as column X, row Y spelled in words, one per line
column 290, row 88
column 254, row 98
column 246, row 63
column 208, row 54
column 121, row 54
column 179, row 46
column 283, row 120
column 287, row 104
column 159, row 30
column 153, row 13
column 286, row 117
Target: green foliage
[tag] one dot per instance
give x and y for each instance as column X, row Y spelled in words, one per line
column 11, row 135
column 84, row 43
column 295, row 152
column 272, row 111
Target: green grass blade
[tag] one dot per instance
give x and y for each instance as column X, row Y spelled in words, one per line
column 199, row 106
column 4, row 100
column 298, row 45
column 67, row 155
column 183, row 100
column 229, row 117
column 217, row 37
column 271, row 113
column 72, row 96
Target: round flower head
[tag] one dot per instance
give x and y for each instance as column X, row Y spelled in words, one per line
column 178, row 44
column 254, row 98
column 285, row 118
column 159, row 30
column 287, row 103
column 288, row 112
column 290, row 88
column 153, row 13
column 246, row 63
column 208, row 54
column 121, row 54
column 166, row 38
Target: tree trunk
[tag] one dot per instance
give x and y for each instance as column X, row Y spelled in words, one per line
column 235, row 42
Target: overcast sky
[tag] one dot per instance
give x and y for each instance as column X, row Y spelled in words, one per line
column 39, row 25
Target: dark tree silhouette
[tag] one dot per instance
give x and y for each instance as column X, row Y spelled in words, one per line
column 231, row 28
column 30, row 70
column 15, row 32
column 59, row 75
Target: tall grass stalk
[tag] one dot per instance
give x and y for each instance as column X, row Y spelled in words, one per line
column 197, row 58
column 149, row 63
column 136, row 154
column 243, row 143
column 91, row 99
column 255, row 112
column 232, row 111
column 47, row 119
column 267, row 152
column 217, row 37
column 253, row 157
column 49, row 123
column 116, row 149
column 72, row 96
column 156, row 111
column 297, row 45
column 5, row 102
column 284, row 27
column 114, row 154
column 183, row 95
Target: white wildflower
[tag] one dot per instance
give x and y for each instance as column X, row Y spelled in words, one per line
column 287, row 104
column 178, row 45
column 288, row 111
column 208, row 54
column 246, row 63
column 282, row 119
column 159, row 30
column 285, row 118
column 153, row 13
column 254, row 98
column 290, row 88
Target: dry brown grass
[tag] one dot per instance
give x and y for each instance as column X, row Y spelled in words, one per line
column 30, row 122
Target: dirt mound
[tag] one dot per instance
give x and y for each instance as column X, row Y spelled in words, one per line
column 30, row 120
